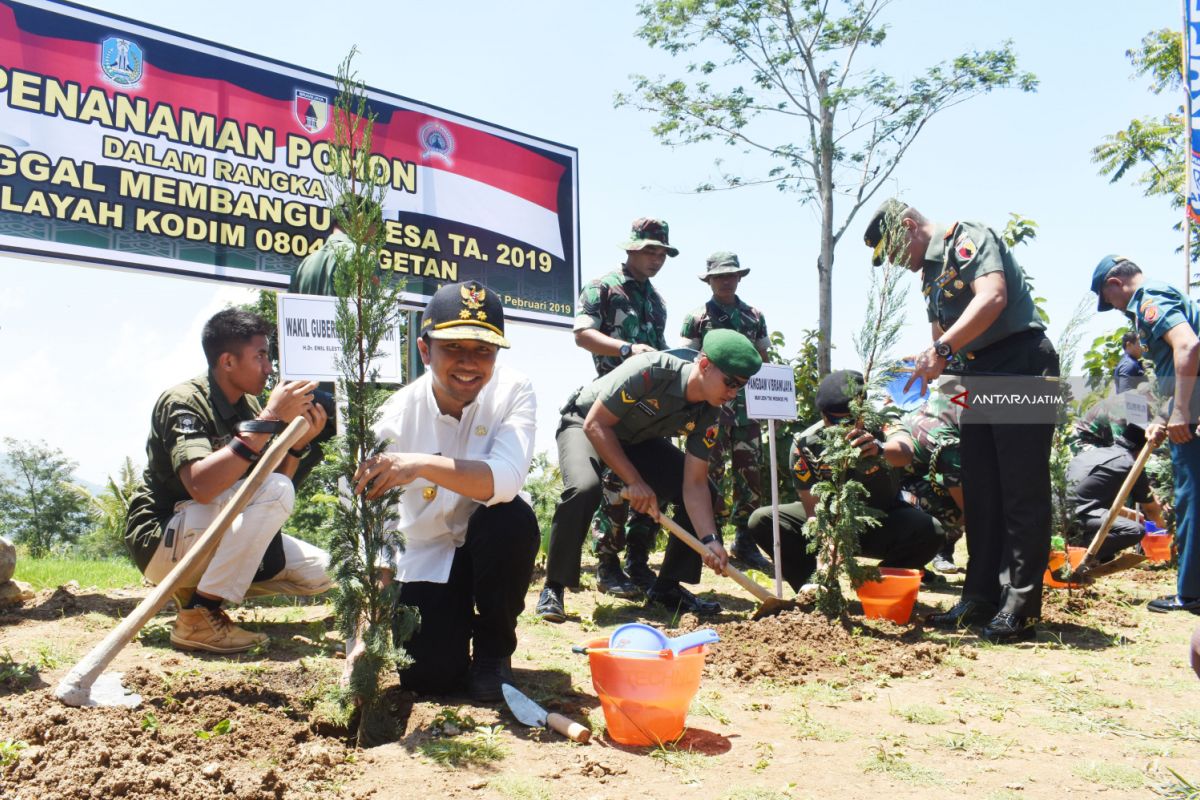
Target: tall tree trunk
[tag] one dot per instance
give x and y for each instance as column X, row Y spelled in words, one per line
column 825, row 265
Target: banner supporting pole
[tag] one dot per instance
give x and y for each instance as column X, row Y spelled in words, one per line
column 1189, row 152
column 775, row 509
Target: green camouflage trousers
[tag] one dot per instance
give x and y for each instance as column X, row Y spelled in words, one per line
column 613, row 525
column 937, row 503
column 742, row 445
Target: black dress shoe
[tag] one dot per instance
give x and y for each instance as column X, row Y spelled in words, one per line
column 1006, row 628
column 486, row 676
column 550, row 605
column 611, row 579
column 1175, row 603
column 961, row 614
column 677, row 599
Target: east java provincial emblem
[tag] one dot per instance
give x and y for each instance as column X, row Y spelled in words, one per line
column 122, row 61
column 312, row 111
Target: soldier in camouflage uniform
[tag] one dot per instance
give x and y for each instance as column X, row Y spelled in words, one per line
column 934, row 478
column 740, row 438
column 620, row 315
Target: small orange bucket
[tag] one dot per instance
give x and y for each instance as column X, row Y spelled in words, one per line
column 1157, row 546
column 1057, row 559
column 892, row 596
column 645, row 700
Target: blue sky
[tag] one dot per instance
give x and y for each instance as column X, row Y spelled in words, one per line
column 86, row 351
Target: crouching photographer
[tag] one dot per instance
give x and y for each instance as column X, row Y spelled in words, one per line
column 205, row 436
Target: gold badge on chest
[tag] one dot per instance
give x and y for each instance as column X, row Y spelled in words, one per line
column 480, row 430
column 429, row 492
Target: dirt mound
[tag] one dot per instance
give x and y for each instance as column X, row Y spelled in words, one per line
column 195, row 736
column 796, row 645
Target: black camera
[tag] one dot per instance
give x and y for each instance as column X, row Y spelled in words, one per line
column 325, row 400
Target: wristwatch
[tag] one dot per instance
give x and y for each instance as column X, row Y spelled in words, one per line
column 943, row 349
column 626, row 350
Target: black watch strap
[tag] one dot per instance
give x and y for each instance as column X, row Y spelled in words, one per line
column 712, row 537
column 261, row 426
column 943, row 349
column 299, row 452
column 626, row 350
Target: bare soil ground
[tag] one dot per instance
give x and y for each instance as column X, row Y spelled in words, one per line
column 1103, row 704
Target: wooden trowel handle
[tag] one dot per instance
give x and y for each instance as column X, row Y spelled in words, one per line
column 568, row 728
column 1119, row 502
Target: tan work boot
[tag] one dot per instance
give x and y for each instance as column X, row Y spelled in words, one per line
column 201, row 629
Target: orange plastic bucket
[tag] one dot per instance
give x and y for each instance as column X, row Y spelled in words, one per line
column 645, row 700
column 1157, row 546
column 1057, row 559
column 892, row 596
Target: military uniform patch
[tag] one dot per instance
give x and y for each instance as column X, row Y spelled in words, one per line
column 188, row 423
column 801, row 469
column 964, row 248
column 625, row 398
column 710, row 436
column 1149, row 312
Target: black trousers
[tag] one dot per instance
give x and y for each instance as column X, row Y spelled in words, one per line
column 660, row 464
column 907, row 538
column 479, row 603
column 1006, row 488
column 1123, row 533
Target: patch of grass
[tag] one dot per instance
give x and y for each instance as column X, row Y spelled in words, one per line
column 921, row 715
column 157, row 633
column 893, row 762
column 16, row 672
column 706, row 706
column 688, row 762
column 1111, row 774
column 150, row 722
column 482, row 748
column 804, row 726
column 520, row 787
column 220, row 729
column 10, row 751
column 50, row 573
column 975, row 744
column 766, row 752
column 827, row 694
column 754, row 793
column 1177, row 787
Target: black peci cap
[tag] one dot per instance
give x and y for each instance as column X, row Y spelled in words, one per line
column 465, row 311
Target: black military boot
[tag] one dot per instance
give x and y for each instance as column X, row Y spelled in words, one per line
column 611, row 579
column 745, row 550
column 637, row 566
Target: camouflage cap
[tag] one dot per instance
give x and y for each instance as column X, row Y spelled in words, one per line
column 650, row 232
column 875, row 235
column 731, row 352
column 722, row 262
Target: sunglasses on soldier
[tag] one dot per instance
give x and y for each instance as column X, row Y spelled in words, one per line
column 732, row 382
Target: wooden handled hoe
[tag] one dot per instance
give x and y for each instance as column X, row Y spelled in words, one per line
column 1088, row 569
column 84, row 685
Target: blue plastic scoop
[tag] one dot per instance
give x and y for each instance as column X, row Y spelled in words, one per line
column 650, row 640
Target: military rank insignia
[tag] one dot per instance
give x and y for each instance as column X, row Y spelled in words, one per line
column 625, row 398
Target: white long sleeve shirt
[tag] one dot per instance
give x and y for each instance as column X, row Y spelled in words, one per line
column 498, row 429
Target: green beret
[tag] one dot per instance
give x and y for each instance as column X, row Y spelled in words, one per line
column 731, row 352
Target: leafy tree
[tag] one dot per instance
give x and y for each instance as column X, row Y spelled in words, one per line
column 38, row 507
column 109, row 511
column 779, row 80
column 1155, row 144
column 368, row 309
column 1101, row 358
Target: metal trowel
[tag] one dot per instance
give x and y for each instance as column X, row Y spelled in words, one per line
column 530, row 713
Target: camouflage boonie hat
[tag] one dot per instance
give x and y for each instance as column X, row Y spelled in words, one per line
column 650, row 232
column 722, row 262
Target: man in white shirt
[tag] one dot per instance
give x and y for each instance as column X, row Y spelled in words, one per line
column 460, row 440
